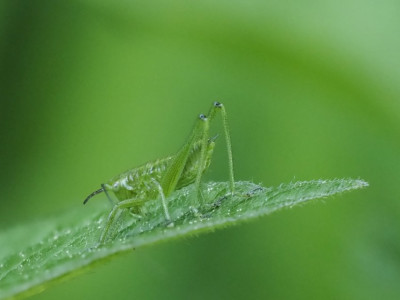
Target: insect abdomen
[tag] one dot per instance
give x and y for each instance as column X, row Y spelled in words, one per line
column 193, row 164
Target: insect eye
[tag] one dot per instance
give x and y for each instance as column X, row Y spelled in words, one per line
column 203, row 117
column 217, row 104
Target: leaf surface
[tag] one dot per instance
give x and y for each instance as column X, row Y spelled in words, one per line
column 34, row 256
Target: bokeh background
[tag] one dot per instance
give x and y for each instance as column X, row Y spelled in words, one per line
column 91, row 88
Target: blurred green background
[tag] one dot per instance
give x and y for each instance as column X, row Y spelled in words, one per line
column 91, row 88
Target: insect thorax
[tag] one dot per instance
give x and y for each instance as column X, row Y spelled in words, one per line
column 138, row 183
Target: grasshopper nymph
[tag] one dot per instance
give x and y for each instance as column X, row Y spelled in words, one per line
column 161, row 177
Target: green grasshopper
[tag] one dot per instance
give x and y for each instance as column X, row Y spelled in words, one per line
column 161, row 177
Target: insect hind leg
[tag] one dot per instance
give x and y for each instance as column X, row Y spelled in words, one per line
column 216, row 107
column 219, row 107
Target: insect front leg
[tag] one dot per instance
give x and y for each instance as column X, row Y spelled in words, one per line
column 121, row 205
column 103, row 186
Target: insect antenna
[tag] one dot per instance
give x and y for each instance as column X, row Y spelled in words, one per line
column 93, row 194
column 212, row 139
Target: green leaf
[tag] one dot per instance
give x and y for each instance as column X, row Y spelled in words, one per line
column 34, row 256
